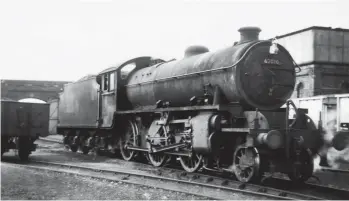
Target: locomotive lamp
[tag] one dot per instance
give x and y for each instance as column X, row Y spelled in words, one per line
column 273, row 48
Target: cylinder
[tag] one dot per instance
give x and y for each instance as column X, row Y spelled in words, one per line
column 273, row 139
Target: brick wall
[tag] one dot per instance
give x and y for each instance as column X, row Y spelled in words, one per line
column 304, row 82
column 321, row 79
column 20, row 89
column 331, row 79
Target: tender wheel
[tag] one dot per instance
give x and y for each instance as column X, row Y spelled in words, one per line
column 246, row 165
column 129, row 139
column 4, row 142
column 302, row 170
column 157, row 159
column 23, row 155
column 74, row 148
column 85, row 150
column 3, row 150
column 24, row 148
column 191, row 164
column 98, row 151
column 115, row 151
column 65, row 140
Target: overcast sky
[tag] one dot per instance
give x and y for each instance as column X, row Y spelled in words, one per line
column 67, row 39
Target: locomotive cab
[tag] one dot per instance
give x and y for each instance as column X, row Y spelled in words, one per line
column 112, row 91
column 107, row 80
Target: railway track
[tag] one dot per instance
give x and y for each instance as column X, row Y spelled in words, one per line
column 342, row 171
column 322, row 191
column 170, row 179
column 277, row 188
column 51, row 140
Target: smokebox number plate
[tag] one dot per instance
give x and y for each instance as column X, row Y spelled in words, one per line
column 272, row 61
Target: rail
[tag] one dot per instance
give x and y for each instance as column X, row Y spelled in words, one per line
column 274, row 186
column 200, row 185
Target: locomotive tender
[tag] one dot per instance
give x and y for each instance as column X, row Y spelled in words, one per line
column 217, row 110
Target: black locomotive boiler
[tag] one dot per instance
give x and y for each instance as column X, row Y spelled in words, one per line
column 214, row 110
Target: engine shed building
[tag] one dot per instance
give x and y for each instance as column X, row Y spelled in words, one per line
column 21, row 89
column 322, row 53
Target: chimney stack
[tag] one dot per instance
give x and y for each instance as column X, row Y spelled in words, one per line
column 249, row 34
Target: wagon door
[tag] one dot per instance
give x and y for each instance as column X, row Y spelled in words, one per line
column 40, row 119
column 24, row 119
column 15, row 119
column 107, row 99
column 343, row 112
column 329, row 114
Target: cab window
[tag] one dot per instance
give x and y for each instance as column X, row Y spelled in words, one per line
column 126, row 70
column 105, row 82
column 109, row 81
column 112, row 81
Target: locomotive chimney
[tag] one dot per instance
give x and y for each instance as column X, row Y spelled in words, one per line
column 248, row 34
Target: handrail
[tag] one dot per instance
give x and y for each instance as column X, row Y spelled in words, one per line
column 288, row 126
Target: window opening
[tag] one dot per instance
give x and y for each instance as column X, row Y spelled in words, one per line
column 106, row 82
column 112, row 81
column 127, row 69
column 300, row 90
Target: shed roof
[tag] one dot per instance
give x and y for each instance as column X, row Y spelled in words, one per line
column 144, row 60
column 313, row 28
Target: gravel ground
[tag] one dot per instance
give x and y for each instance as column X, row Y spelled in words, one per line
column 58, row 153
column 61, row 184
column 18, row 183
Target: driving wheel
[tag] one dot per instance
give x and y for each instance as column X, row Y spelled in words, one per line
column 192, row 163
column 158, row 159
column 302, row 169
column 129, row 139
column 246, row 164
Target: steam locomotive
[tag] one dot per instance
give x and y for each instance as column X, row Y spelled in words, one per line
column 219, row 111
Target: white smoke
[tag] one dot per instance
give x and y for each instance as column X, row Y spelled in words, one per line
column 330, row 126
column 333, row 156
column 316, row 160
